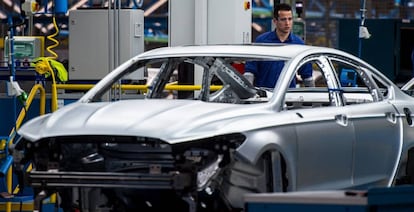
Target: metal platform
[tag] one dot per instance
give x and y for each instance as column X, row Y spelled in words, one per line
column 395, row 199
column 25, row 203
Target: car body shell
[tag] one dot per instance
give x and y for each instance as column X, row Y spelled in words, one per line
column 337, row 147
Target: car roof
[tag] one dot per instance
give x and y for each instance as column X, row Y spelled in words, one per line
column 274, row 50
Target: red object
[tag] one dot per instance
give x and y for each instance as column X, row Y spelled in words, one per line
column 239, row 67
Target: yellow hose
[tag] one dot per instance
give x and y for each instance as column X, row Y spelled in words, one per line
column 54, row 103
column 52, row 38
column 49, row 68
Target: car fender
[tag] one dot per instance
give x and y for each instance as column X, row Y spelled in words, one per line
column 281, row 139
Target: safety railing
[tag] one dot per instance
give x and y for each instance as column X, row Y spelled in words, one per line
column 6, row 165
column 136, row 87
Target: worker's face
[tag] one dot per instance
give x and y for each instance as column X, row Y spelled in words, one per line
column 284, row 21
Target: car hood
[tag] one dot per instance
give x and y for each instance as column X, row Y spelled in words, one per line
column 172, row 121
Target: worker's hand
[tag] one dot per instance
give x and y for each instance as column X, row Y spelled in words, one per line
column 249, row 76
column 309, row 82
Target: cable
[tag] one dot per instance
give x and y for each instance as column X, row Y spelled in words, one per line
column 54, row 56
column 22, row 22
column 52, row 38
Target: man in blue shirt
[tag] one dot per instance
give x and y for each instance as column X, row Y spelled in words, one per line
column 266, row 73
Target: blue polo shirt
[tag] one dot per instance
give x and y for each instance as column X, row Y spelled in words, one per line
column 266, row 73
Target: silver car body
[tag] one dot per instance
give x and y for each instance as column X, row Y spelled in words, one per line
column 330, row 137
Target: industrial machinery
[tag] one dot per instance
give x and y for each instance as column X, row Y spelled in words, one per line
column 101, row 39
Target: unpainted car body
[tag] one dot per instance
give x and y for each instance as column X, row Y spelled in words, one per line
column 207, row 148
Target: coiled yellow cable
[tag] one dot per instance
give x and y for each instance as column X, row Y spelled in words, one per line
column 43, row 66
column 52, row 38
column 55, row 56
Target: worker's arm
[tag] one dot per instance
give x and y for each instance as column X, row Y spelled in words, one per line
column 306, row 74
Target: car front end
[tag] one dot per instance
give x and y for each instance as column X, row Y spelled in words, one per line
column 129, row 170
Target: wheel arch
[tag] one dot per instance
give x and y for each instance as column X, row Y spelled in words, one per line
column 405, row 172
column 282, row 148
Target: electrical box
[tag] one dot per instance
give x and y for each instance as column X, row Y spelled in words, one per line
column 102, row 39
column 229, row 21
column 25, row 48
column 299, row 28
column 209, row 22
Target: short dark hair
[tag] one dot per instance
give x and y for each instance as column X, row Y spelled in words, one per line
column 279, row 7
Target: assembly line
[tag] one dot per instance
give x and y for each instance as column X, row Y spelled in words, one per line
column 236, row 105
